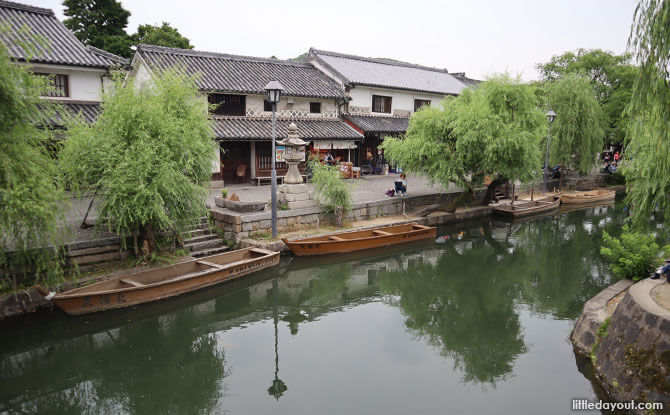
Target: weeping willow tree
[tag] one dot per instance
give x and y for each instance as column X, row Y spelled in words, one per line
column 31, row 202
column 647, row 166
column 578, row 130
column 493, row 130
column 148, row 156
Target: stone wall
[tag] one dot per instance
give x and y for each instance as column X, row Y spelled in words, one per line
column 631, row 354
column 238, row 226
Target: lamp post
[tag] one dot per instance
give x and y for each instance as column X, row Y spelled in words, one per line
column 550, row 117
column 273, row 90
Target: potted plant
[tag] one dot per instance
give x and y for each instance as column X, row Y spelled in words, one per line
column 224, row 193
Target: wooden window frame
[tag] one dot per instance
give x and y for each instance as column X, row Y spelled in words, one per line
column 422, row 102
column 384, row 104
column 315, row 108
column 225, row 106
column 60, row 84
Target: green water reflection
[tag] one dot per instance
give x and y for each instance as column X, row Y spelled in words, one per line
column 462, row 325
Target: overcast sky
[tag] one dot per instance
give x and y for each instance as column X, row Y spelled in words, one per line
column 478, row 37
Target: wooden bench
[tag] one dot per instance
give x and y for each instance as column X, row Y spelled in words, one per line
column 210, row 264
column 131, row 282
column 280, row 179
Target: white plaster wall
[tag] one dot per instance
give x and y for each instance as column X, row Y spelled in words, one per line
column 332, row 75
column 84, row 84
column 141, row 75
column 400, row 100
column 255, row 103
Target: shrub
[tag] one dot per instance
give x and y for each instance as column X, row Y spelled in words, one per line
column 329, row 186
column 224, row 193
column 630, row 256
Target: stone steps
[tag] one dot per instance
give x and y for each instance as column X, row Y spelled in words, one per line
column 200, row 241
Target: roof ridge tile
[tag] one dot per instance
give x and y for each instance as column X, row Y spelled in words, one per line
column 26, row 7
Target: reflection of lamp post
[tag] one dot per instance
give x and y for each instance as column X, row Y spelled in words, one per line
column 278, row 386
column 273, row 89
column 550, row 117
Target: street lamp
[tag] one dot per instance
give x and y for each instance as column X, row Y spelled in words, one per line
column 273, row 89
column 550, row 117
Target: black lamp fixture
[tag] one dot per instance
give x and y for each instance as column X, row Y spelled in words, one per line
column 274, row 89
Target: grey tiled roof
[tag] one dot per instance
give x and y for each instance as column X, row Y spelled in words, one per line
column 256, row 129
column 375, row 124
column 467, row 81
column 51, row 40
column 243, row 74
column 356, row 70
column 89, row 110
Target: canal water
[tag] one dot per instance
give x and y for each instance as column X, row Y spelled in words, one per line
column 478, row 324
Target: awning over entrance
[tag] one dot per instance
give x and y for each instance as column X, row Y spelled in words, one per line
column 260, row 129
column 334, row 145
column 378, row 124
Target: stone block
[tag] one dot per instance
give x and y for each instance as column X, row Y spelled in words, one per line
column 265, row 224
column 295, row 188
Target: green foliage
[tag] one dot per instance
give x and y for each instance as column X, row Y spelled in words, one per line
column 149, row 155
column 611, row 77
column 647, row 164
column 329, row 186
column 224, row 193
column 494, row 129
column 602, row 330
column 31, row 202
column 164, row 35
column 630, row 256
column 578, row 127
column 99, row 23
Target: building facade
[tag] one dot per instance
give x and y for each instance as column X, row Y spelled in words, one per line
column 383, row 94
column 78, row 74
column 234, row 86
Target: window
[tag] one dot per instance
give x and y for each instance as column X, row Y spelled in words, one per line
column 418, row 103
column 381, row 104
column 315, row 107
column 228, row 104
column 267, row 106
column 59, row 85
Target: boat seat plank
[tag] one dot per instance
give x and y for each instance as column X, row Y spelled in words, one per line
column 381, row 233
column 209, row 264
column 131, row 282
column 335, row 238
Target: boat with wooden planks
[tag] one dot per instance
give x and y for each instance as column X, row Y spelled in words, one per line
column 589, row 196
column 164, row 282
column 354, row 241
column 529, row 207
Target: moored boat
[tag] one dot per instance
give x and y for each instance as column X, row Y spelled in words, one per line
column 164, row 282
column 354, row 241
column 529, row 207
column 590, row 196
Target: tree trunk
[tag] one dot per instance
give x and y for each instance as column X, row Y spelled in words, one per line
column 338, row 217
column 490, row 190
column 149, row 237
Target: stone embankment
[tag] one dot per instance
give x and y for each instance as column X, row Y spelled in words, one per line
column 626, row 333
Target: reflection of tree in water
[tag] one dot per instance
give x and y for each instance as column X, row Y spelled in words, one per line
column 163, row 366
column 158, row 365
column 468, row 314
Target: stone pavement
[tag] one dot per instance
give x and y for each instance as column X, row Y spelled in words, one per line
column 365, row 189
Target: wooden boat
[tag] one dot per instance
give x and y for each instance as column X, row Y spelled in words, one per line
column 529, row 207
column 590, row 196
column 159, row 283
column 359, row 240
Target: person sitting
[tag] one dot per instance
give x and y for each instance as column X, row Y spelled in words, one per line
column 662, row 270
column 401, row 185
column 329, row 159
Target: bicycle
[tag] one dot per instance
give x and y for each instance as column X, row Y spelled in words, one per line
column 372, row 167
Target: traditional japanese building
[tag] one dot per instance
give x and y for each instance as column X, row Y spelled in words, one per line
column 242, row 116
column 384, row 93
column 78, row 74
